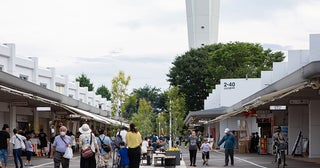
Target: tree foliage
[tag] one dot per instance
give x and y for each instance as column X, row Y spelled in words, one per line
column 177, row 107
column 198, row 71
column 142, row 119
column 119, row 89
column 85, row 82
column 153, row 95
column 104, row 92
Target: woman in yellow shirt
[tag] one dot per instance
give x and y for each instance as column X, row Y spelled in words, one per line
column 133, row 139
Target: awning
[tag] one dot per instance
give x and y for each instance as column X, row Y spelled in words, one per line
column 261, row 100
column 97, row 117
column 71, row 109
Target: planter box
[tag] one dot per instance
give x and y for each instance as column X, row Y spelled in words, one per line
column 176, row 154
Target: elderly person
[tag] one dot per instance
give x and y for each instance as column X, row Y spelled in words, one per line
column 59, row 146
column 229, row 143
column 87, row 139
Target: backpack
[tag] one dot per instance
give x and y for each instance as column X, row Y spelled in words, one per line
column 118, row 140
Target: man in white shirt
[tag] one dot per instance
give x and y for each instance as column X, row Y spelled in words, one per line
column 123, row 133
column 17, row 141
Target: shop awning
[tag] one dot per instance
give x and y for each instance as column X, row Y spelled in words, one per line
column 71, row 109
column 96, row 117
column 260, row 101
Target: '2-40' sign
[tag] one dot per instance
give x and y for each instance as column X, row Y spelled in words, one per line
column 229, row 85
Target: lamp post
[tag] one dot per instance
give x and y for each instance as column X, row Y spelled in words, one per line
column 170, row 125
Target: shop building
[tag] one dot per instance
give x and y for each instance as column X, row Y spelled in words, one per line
column 288, row 96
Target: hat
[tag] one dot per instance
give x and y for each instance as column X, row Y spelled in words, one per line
column 226, row 130
column 85, row 129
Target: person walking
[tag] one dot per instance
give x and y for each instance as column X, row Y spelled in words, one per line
column 134, row 139
column 206, row 147
column 86, row 140
column 229, row 142
column 17, row 141
column 59, row 146
column 43, row 142
column 193, row 141
column 103, row 139
column 123, row 159
column 29, row 151
column 4, row 145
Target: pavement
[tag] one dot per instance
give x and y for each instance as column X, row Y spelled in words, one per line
column 242, row 160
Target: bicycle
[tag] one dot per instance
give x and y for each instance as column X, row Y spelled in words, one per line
column 280, row 156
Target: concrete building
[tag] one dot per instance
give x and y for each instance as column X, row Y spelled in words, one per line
column 203, row 22
column 25, row 87
column 288, row 96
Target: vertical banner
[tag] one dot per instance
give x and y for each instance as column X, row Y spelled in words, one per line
column 263, row 146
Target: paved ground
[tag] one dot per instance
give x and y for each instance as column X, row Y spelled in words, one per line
column 216, row 160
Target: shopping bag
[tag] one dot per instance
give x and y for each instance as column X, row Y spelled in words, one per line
column 68, row 154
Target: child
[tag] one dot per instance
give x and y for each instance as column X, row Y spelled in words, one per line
column 205, row 151
column 29, row 151
column 123, row 158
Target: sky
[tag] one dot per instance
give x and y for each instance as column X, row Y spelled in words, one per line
column 99, row 38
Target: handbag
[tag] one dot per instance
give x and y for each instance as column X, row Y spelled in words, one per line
column 68, row 154
column 86, row 153
column 105, row 147
column 23, row 146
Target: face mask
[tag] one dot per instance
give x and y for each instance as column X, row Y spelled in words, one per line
column 62, row 133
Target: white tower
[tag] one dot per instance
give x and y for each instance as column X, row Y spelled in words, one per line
column 203, row 22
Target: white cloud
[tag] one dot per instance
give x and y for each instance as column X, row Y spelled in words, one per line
column 141, row 37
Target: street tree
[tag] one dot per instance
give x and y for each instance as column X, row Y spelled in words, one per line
column 198, row 71
column 119, row 93
column 177, row 107
column 142, row 119
column 85, row 82
column 104, row 92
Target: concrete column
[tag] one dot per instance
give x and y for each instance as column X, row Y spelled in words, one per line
column 314, row 127
column 36, row 120
column 12, row 58
column 13, row 118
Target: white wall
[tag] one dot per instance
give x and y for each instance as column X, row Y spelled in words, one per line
column 29, row 67
column 314, row 127
column 298, row 119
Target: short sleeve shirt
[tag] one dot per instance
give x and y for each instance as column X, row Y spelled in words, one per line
column 4, row 136
column 59, row 144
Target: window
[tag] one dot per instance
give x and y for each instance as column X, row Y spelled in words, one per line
column 70, row 95
column 44, row 85
column 23, row 77
column 202, row 27
column 1, row 67
column 202, row 44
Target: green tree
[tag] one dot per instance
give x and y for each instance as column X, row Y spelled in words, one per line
column 104, row 92
column 142, row 119
column 130, row 106
column 153, row 95
column 119, row 89
column 177, row 106
column 198, row 71
column 85, row 82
